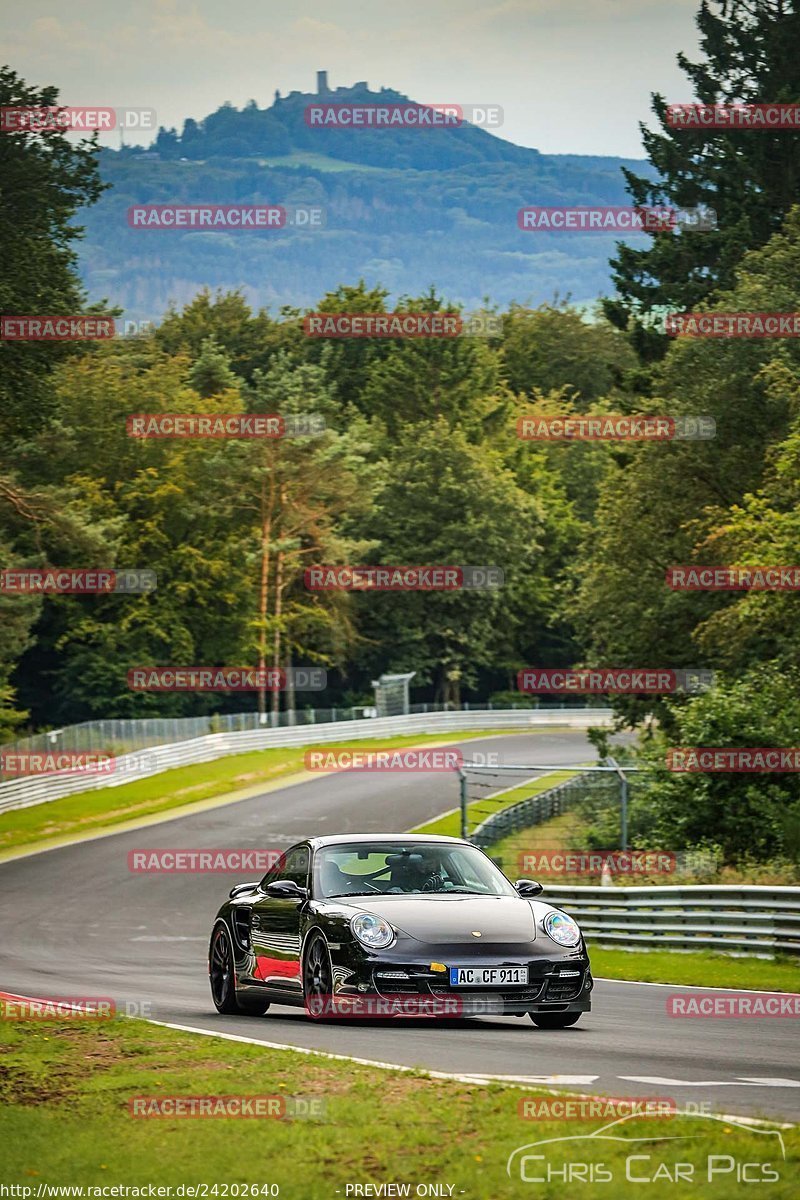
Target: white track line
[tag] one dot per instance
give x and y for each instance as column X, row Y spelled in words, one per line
column 695, row 987
column 479, row 1080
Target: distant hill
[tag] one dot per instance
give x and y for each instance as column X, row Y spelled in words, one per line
column 404, row 208
column 281, row 130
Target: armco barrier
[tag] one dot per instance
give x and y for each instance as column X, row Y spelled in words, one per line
column 744, row 919
column 30, row 790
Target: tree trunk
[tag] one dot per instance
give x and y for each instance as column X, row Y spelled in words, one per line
column 291, row 699
column 263, row 602
column 276, row 641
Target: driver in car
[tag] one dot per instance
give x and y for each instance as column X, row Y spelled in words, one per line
column 415, row 873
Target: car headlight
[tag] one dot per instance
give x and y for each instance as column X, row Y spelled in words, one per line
column 562, row 929
column 373, row 932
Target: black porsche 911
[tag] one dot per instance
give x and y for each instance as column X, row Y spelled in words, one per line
column 397, row 924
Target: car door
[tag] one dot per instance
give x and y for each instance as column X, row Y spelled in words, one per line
column 275, row 927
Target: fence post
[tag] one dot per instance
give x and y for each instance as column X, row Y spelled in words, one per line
column 623, row 804
column 463, row 789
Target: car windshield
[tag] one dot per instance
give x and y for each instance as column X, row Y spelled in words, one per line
column 406, row 868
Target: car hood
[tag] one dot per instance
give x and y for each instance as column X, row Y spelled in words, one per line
column 451, row 919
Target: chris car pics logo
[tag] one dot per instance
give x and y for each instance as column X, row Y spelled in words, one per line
column 641, row 1154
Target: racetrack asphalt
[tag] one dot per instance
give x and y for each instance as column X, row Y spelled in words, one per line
column 76, row 921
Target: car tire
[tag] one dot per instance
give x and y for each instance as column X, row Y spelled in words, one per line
column 222, row 977
column 317, row 976
column 554, row 1020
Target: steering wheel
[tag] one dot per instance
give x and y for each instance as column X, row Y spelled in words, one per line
column 434, row 883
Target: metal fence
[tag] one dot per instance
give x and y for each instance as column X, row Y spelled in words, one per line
column 116, row 737
column 151, row 760
column 741, row 919
column 530, row 812
column 607, row 782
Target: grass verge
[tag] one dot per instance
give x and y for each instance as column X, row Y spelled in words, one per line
column 97, row 811
column 66, row 1120
column 698, row 967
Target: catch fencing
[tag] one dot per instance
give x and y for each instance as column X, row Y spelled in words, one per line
column 531, row 811
column 738, row 919
column 38, row 789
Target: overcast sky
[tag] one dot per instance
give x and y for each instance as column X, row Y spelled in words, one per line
column 573, row 76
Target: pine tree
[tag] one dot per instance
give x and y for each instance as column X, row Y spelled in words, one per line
column 211, row 373
column 750, row 178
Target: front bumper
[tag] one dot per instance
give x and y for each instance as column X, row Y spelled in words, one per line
column 555, row 984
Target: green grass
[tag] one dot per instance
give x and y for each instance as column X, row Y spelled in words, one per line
column 96, row 811
column 449, row 824
column 65, row 1120
column 699, row 967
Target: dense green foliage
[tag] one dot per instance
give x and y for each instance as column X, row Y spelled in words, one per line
column 419, row 462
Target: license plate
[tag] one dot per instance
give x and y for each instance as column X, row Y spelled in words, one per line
column 487, row 976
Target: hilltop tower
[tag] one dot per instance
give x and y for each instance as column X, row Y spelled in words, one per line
column 322, row 83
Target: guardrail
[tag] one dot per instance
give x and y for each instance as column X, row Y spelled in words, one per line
column 748, row 919
column 125, row 736
column 744, row 919
column 39, row 789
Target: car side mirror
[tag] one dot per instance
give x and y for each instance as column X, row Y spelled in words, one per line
column 238, row 888
column 528, row 887
column 286, row 889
